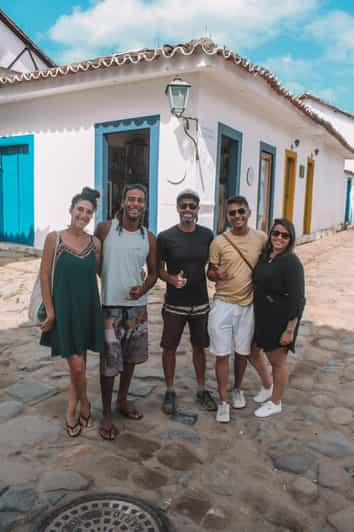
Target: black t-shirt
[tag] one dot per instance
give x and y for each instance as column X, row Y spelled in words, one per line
column 187, row 252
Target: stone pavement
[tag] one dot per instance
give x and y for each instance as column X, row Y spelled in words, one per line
column 290, row 472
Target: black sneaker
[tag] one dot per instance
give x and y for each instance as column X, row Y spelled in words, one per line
column 206, row 401
column 169, row 403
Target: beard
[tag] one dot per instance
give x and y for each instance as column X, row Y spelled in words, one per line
column 189, row 218
column 135, row 217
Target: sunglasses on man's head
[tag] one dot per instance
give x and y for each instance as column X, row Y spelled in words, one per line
column 241, row 211
column 277, row 234
column 186, row 205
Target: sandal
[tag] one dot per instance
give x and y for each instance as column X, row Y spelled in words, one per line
column 86, row 422
column 130, row 412
column 73, row 430
column 108, row 433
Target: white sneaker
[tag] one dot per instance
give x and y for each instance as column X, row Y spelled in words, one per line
column 268, row 409
column 238, row 399
column 263, row 395
column 223, row 413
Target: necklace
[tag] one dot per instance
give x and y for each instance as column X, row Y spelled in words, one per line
column 271, row 258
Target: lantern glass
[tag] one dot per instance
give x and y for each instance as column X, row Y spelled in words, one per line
column 178, row 92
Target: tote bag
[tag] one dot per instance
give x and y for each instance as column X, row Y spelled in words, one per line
column 36, row 301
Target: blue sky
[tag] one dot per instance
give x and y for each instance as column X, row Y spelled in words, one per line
column 309, row 44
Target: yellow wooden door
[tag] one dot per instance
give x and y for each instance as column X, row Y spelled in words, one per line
column 289, row 184
column 308, row 196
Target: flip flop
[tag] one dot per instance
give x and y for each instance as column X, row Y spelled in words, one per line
column 73, row 430
column 86, row 422
column 130, row 412
column 108, row 434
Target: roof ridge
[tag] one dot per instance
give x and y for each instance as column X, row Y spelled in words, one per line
column 318, row 99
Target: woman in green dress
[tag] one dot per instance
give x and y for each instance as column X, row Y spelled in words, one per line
column 74, row 320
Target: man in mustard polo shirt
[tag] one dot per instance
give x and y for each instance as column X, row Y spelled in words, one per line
column 232, row 257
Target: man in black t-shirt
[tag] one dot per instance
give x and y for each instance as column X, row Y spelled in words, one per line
column 183, row 253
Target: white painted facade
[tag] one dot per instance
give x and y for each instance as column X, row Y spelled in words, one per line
column 11, row 46
column 342, row 122
column 61, row 115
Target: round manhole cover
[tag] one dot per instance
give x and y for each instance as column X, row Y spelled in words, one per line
column 106, row 513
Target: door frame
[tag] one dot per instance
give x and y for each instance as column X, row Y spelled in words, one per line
column 292, row 155
column 101, row 161
column 28, row 140
column 310, row 174
column 268, row 148
column 234, row 134
column 348, row 203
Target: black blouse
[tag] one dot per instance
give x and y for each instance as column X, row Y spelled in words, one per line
column 281, row 279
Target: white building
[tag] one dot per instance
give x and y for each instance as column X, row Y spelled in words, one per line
column 343, row 122
column 105, row 121
column 18, row 53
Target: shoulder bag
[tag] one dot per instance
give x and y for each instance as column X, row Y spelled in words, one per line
column 36, row 309
column 238, row 251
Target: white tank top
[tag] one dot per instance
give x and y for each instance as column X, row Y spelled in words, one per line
column 124, row 256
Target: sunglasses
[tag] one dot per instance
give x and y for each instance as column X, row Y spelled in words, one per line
column 192, row 206
column 241, row 211
column 277, row 233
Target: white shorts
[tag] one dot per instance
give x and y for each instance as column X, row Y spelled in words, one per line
column 231, row 328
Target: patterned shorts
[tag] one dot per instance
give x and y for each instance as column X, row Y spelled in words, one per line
column 126, row 338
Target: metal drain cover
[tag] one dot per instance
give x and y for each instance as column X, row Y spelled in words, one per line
column 106, row 513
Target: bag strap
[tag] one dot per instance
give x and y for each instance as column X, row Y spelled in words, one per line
column 238, row 251
column 57, row 240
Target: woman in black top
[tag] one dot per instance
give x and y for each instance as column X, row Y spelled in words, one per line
column 278, row 302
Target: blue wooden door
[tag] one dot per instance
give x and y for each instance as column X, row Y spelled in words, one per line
column 16, row 191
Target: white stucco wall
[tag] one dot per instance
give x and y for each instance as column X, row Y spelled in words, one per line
column 10, row 47
column 233, row 109
column 63, row 126
column 341, row 122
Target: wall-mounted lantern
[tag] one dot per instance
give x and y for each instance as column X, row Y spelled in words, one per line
column 178, row 93
column 314, row 153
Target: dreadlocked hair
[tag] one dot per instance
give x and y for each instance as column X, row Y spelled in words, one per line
column 120, row 222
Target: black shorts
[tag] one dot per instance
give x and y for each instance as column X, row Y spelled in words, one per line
column 174, row 320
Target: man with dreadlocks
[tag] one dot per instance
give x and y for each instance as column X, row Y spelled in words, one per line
column 183, row 253
column 126, row 247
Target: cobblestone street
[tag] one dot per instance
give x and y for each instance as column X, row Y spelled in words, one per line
column 292, row 472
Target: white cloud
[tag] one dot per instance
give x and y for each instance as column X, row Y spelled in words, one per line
column 299, row 75
column 287, row 67
column 130, row 24
column 327, row 94
column 335, row 33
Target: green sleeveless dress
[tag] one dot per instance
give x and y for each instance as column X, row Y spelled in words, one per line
column 79, row 319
